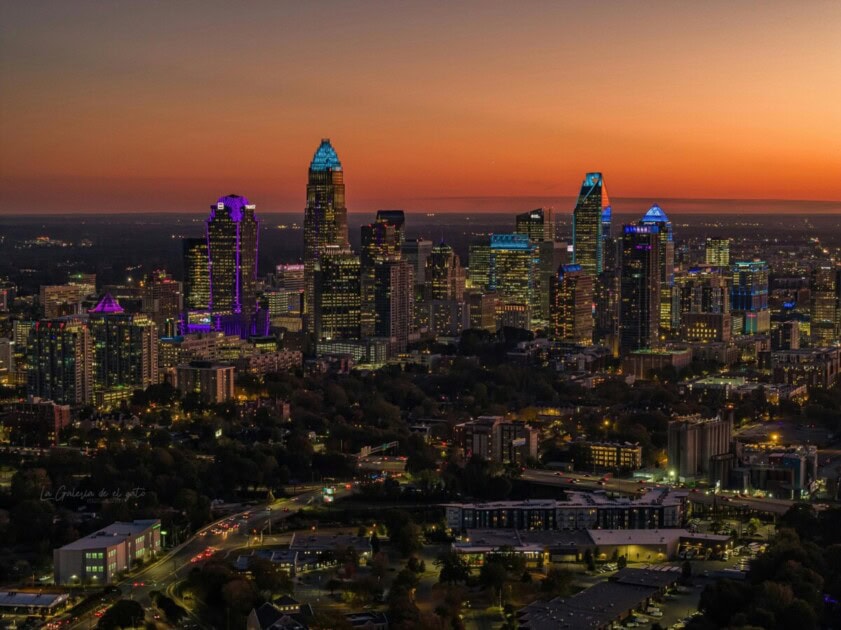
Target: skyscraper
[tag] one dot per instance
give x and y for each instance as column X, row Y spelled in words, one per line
column 125, row 350
column 536, row 224
column 60, row 361
column 336, row 311
column 196, row 283
column 717, row 252
column 162, row 301
column 513, row 271
column 749, row 296
column 822, row 305
column 394, row 303
column 381, row 243
column 444, row 274
column 415, row 251
column 587, row 230
column 666, row 245
column 232, row 259
column 479, row 261
column 639, row 286
column 325, row 216
column 571, row 311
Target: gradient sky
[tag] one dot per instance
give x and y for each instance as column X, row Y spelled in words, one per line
column 164, row 106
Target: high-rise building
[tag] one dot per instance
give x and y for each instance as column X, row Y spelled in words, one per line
column 694, row 441
column 337, row 308
column 572, row 306
column 63, row 299
column 536, row 224
column 444, row 274
column 394, row 303
column 381, row 243
column 718, row 252
column 325, row 216
column 162, row 301
column 125, row 350
column 639, row 298
column 60, row 361
column 232, row 230
column 666, row 245
column 823, row 305
column 415, row 251
column 290, row 277
column 607, row 217
column 212, row 383
column 587, row 230
column 196, row 283
column 513, row 271
column 786, row 336
column 479, row 261
column 749, row 296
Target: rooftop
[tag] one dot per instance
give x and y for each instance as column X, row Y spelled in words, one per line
column 655, row 214
column 107, row 305
column 325, row 158
column 111, row 535
column 14, row 599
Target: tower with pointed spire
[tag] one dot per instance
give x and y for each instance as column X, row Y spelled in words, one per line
column 587, row 224
column 325, row 217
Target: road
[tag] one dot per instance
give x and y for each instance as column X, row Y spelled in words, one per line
column 176, row 564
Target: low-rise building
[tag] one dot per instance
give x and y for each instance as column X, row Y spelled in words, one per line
column 99, row 557
column 657, row 508
column 606, row 456
column 814, row 367
column 641, row 363
column 212, row 382
column 34, row 423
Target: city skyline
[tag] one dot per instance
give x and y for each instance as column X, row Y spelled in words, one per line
column 480, row 107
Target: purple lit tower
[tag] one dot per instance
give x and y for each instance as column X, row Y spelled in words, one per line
column 232, row 261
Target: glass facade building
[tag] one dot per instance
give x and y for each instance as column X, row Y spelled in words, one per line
column 587, row 229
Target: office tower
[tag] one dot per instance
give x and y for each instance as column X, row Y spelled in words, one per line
column 718, row 252
column 607, row 217
column 587, row 231
column 63, row 299
column 232, row 258
column 290, row 277
column 536, row 224
column 125, row 349
column 196, row 283
column 786, row 336
column 162, row 301
column 572, row 306
column 666, row 245
column 444, row 274
column 749, row 296
column 60, row 361
column 479, row 265
column 397, row 218
column 415, row 251
column 606, row 298
column 639, row 287
column 381, row 243
column 325, row 216
column 822, row 306
column 693, row 441
column 336, row 311
column 482, row 309
column 284, row 301
column 513, row 270
column 394, row 303
column 7, row 360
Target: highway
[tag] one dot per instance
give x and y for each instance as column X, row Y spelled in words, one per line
column 176, row 564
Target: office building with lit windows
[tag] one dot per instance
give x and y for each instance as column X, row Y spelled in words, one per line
column 717, row 252
column 59, row 359
column 606, row 456
column 415, row 251
column 479, row 265
column 749, row 296
column 125, row 349
column 394, row 303
column 571, row 306
column 823, row 305
column 338, row 302
column 656, row 217
column 325, row 217
column 101, row 557
column 639, row 299
column 445, row 278
column 587, row 229
column 536, row 224
column 162, row 301
column 512, row 274
column 196, row 284
column 381, row 243
column 232, row 230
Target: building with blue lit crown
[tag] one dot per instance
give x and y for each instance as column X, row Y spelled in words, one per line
column 587, row 224
column 668, row 314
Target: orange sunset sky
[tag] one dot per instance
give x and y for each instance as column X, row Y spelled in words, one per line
column 163, row 106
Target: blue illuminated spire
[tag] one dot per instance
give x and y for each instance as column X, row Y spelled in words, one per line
column 655, row 214
column 325, row 158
